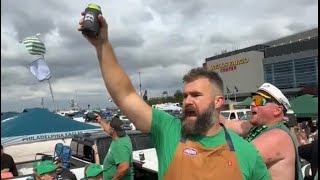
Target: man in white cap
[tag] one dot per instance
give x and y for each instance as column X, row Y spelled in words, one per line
column 270, row 135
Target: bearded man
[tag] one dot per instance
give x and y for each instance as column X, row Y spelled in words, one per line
column 196, row 147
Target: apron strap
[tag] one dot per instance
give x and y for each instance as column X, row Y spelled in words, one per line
column 183, row 139
column 228, row 138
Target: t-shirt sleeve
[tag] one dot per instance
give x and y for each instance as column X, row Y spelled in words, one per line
column 162, row 122
column 13, row 168
column 122, row 154
column 260, row 171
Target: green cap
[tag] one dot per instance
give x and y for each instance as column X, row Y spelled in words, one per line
column 35, row 165
column 45, row 167
column 93, row 170
column 94, row 6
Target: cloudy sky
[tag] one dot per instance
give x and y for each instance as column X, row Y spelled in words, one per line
column 162, row 39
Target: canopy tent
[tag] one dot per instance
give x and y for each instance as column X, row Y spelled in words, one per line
column 40, row 124
column 6, row 115
column 245, row 102
column 305, row 106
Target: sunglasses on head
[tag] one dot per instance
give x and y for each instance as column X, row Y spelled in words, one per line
column 260, row 100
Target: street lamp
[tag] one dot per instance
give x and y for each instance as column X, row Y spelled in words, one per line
column 140, row 92
column 235, row 93
column 228, row 91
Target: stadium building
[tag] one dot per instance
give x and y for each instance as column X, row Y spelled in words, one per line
column 290, row 63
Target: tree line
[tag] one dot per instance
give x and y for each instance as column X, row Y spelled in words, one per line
column 176, row 98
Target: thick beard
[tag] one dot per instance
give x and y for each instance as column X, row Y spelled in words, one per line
column 201, row 126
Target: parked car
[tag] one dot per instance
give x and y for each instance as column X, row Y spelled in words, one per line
column 82, row 152
column 242, row 114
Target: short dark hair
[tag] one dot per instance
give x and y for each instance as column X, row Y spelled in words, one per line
column 117, row 125
column 199, row 72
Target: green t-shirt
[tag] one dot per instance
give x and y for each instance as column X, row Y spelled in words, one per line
column 166, row 133
column 120, row 151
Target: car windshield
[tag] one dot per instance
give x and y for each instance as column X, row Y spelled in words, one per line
column 225, row 114
column 246, row 116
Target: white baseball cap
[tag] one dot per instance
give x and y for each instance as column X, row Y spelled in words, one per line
column 275, row 93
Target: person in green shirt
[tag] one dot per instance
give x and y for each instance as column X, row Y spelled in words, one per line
column 46, row 170
column 118, row 163
column 35, row 175
column 195, row 147
column 93, row 172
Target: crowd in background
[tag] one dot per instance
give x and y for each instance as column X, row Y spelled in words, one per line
column 306, row 131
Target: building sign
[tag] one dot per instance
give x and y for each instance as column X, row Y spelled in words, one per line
column 61, row 135
column 229, row 66
column 14, row 140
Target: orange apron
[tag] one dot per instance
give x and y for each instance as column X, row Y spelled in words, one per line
column 195, row 162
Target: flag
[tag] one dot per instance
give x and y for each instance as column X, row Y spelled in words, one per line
column 34, row 45
column 40, row 69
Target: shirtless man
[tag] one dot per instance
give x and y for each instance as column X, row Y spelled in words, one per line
column 274, row 141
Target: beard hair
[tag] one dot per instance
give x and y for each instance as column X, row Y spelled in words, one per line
column 201, row 125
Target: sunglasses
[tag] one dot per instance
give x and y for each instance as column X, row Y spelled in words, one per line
column 260, row 100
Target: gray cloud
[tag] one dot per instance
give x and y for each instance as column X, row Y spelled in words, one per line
column 162, row 39
column 127, row 40
column 27, row 17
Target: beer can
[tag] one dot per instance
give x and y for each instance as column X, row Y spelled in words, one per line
column 141, row 156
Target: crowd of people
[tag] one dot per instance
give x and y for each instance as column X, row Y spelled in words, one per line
column 307, row 134
column 306, row 131
column 200, row 145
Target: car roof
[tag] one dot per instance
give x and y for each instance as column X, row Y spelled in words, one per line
column 237, row 110
column 100, row 135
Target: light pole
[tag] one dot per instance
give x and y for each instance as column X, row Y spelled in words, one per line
column 228, row 92
column 140, row 92
column 76, row 99
column 42, row 102
column 235, row 93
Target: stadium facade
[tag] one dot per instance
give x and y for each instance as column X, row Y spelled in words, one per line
column 290, row 63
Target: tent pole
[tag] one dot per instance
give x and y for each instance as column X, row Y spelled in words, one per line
column 54, row 104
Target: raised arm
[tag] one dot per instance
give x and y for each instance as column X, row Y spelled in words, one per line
column 117, row 81
column 240, row 127
column 96, row 154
